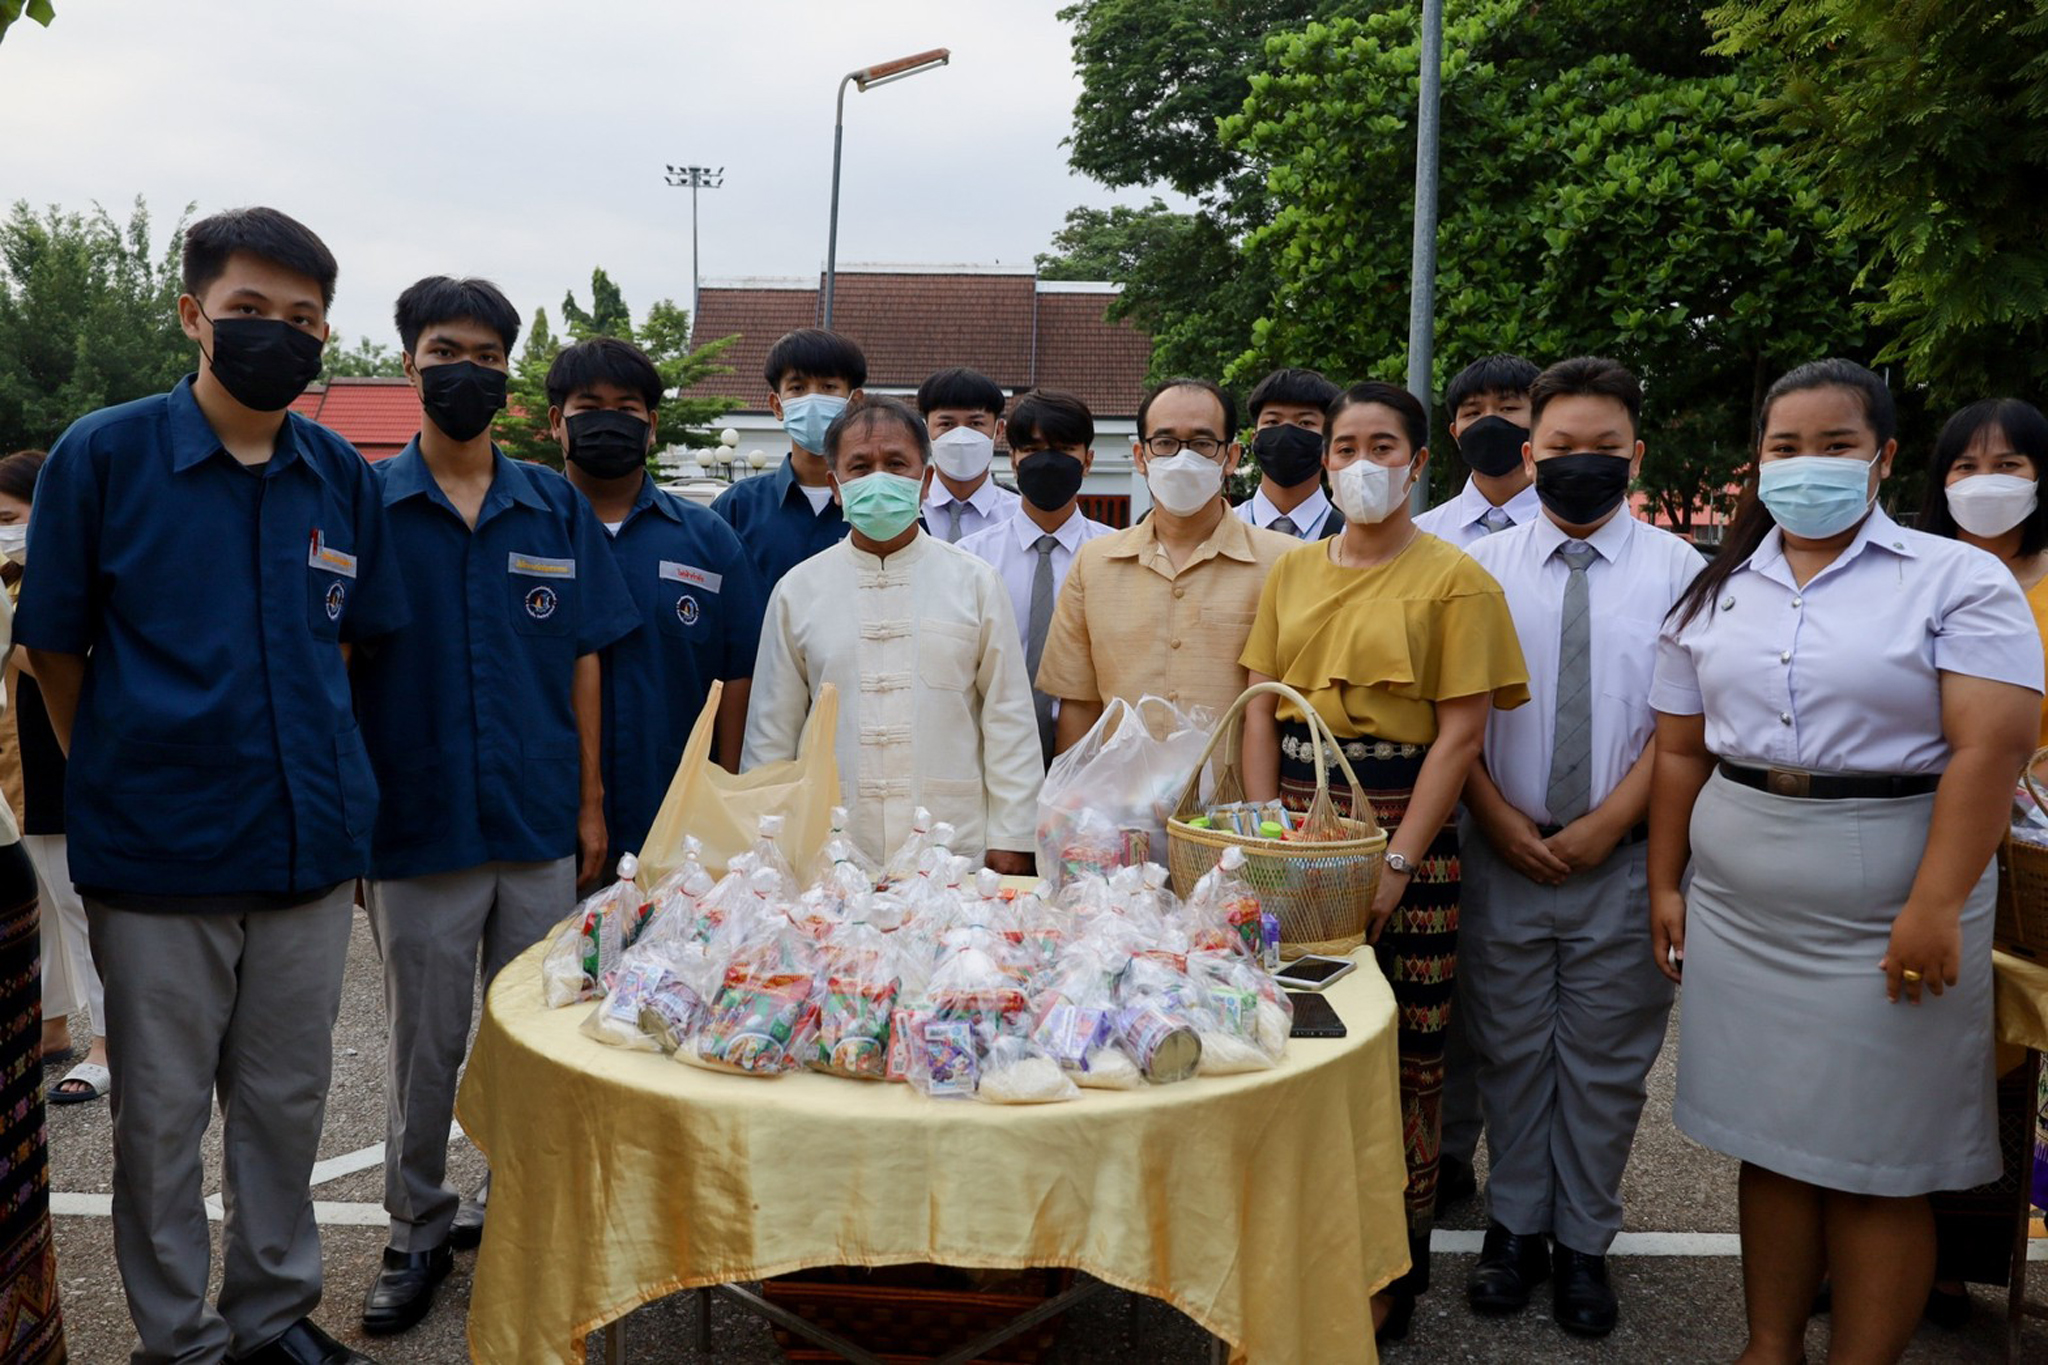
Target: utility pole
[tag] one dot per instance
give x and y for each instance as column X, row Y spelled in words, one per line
column 864, row 80
column 1422, row 267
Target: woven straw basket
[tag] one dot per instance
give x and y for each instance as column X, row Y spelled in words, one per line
column 2022, row 923
column 1320, row 883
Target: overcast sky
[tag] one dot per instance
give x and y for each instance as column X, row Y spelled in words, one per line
column 525, row 141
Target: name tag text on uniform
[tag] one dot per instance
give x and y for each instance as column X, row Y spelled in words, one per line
column 672, row 572
column 535, row 566
column 325, row 556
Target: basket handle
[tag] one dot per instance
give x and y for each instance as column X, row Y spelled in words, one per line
column 1321, row 810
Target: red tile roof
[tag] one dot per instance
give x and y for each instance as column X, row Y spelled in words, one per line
column 377, row 416
column 1010, row 327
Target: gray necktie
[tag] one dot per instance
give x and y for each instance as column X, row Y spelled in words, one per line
column 1285, row 526
column 953, row 522
column 1497, row 519
column 1036, row 626
column 1571, row 749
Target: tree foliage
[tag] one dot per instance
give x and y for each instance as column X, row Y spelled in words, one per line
column 39, row 10
column 366, row 359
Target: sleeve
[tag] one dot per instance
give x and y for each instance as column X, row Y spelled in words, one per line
column 61, row 600
column 380, row 605
column 1675, row 686
column 1262, row 646
column 1013, row 769
column 1986, row 629
column 781, row 698
column 1067, row 667
column 743, row 609
column 1477, row 649
column 607, row 611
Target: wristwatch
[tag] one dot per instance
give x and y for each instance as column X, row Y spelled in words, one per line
column 1398, row 862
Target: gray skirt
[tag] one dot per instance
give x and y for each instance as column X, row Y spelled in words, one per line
column 1789, row 1056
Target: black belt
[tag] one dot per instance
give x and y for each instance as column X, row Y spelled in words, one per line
column 1639, row 834
column 1831, row 786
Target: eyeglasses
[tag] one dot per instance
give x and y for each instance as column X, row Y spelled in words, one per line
column 1165, row 447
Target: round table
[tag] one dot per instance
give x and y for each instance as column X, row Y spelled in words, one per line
column 1267, row 1207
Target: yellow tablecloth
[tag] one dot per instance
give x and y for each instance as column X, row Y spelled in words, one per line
column 1267, row 1207
column 2020, row 992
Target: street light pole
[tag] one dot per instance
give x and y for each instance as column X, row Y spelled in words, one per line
column 864, row 80
column 696, row 178
column 1422, row 264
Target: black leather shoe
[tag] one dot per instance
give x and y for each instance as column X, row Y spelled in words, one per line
column 404, row 1289
column 303, row 1344
column 1400, row 1311
column 1455, row 1182
column 1581, row 1300
column 467, row 1232
column 1948, row 1310
column 1510, row 1267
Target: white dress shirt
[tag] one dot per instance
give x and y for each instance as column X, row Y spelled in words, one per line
column 1308, row 518
column 1008, row 548
column 990, row 505
column 1843, row 675
column 1637, row 572
column 1462, row 520
column 934, row 708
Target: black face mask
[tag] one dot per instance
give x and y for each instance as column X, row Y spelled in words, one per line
column 1049, row 478
column 263, row 363
column 1580, row 488
column 608, row 444
column 1493, row 446
column 462, row 397
column 1289, row 454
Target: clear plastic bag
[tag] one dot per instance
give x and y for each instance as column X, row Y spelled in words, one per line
column 589, row 947
column 903, row 863
column 1223, row 910
column 1106, row 801
column 841, row 852
column 1018, row 1071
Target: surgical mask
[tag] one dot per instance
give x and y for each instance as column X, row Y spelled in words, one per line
column 1982, row 504
column 1582, row 487
column 806, row 417
column 14, row 542
column 1048, row 479
column 1183, row 484
column 1816, row 496
column 1366, row 492
column 607, row 444
column 1288, row 454
column 963, row 453
column 263, row 363
column 881, row 506
column 462, row 397
column 1493, row 446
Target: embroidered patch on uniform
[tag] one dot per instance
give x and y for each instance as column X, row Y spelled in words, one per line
column 672, row 572
column 538, row 566
column 541, row 603
column 336, row 596
column 325, row 556
column 687, row 610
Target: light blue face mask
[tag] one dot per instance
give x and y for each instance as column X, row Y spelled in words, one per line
column 806, row 418
column 1816, row 496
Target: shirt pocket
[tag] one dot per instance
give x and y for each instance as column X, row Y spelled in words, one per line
column 172, row 802
column 552, row 772
column 686, row 612
column 328, row 592
column 543, row 595
column 1628, row 650
column 948, row 655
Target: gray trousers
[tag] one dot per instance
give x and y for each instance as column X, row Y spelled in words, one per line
column 1567, row 1014
column 433, row 933
column 243, row 1006
column 1462, row 1123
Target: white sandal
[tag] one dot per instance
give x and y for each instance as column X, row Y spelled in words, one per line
column 94, row 1077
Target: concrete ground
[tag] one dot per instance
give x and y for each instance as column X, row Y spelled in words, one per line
column 1681, row 1297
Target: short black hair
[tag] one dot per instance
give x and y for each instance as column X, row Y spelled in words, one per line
column 18, row 474
column 276, row 237
column 443, row 298
column 1303, row 388
column 960, row 387
column 867, row 412
column 815, row 352
column 1496, row 374
column 1587, row 374
column 1835, row 373
column 1047, row 417
column 1208, row 386
column 603, row 360
column 1414, row 417
column 2025, row 429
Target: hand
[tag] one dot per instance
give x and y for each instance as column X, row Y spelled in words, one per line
column 1583, row 844
column 1513, row 836
column 1010, row 864
column 1385, row 900
column 591, row 843
column 1667, row 932
column 1927, row 941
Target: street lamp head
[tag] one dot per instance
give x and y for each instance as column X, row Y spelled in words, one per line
column 883, row 72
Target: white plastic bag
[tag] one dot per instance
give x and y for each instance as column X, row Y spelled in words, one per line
column 1106, row 801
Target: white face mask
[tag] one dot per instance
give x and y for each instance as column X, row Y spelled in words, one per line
column 1982, row 504
column 1184, row 484
column 14, row 542
column 1367, row 493
column 963, row 453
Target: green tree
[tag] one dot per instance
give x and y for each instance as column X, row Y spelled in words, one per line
column 1926, row 121
column 88, row 317
column 365, row 359
column 38, row 10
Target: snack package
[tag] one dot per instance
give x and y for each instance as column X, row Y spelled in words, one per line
column 840, row 851
column 757, row 1026
column 856, row 992
column 589, row 947
column 1018, row 1071
column 1243, row 1017
column 945, row 1062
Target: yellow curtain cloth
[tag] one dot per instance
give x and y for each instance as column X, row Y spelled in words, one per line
column 1267, row 1207
column 2019, row 990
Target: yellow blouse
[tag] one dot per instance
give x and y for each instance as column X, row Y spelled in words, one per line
column 2037, row 598
column 1375, row 649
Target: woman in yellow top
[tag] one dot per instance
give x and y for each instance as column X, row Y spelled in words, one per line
column 1401, row 642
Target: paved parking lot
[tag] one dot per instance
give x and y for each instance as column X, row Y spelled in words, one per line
column 1676, row 1274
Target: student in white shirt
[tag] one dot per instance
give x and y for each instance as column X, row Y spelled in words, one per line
column 1287, row 415
column 1488, row 404
column 963, row 410
column 1052, row 440
column 1563, row 1006
column 1844, row 706
column 918, row 637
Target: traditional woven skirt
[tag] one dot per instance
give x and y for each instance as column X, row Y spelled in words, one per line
column 31, row 1325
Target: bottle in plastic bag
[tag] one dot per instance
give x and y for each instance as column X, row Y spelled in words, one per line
column 588, row 949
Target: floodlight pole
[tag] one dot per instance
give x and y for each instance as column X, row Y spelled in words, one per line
column 696, row 178
column 864, row 79
column 1422, row 267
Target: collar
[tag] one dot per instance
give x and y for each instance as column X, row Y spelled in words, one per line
column 1879, row 534
column 407, row 476
column 1312, row 509
column 920, row 545
column 1068, row 535
column 193, row 441
column 659, row 499
column 1607, row 542
column 1473, row 506
column 1232, row 539
column 980, row 500
column 786, row 486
